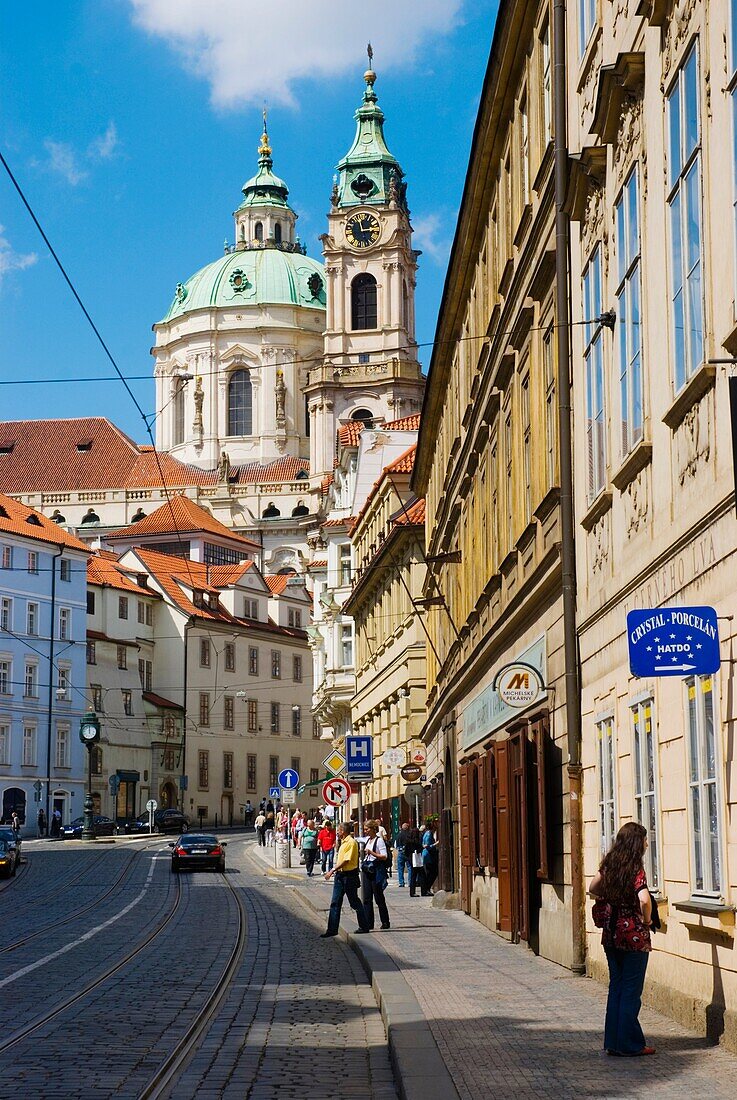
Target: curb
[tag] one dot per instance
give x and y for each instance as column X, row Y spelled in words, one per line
column 419, row 1067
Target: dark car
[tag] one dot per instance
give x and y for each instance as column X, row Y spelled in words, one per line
column 139, row 824
column 14, row 843
column 7, row 859
column 171, row 821
column 102, row 826
column 198, row 851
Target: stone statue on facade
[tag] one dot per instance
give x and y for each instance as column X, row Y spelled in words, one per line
column 280, row 390
column 199, row 399
column 224, row 469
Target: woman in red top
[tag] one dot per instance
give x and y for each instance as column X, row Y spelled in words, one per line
column 623, row 910
column 326, row 844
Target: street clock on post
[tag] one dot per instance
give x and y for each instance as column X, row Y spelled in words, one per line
column 362, row 230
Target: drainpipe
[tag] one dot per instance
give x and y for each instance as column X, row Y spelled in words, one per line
column 567, row 519
column 52, row 688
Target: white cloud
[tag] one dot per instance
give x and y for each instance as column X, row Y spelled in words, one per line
column 63, row 160
column 249, row 52
column 105, row 146
column 429, row 236
column 13, row 261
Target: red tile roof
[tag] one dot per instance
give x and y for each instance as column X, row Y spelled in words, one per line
column 108, row 459
column 177, row 577
column 319, row 563
column 413, row 515
column 224, row 575
column 348, row 433
column 160, row 701
column 404, row 464
column 180, row 515
column 103, row 570
column 18, row 519
column 337, row 522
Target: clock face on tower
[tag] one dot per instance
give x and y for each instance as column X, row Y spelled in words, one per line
column 362, row 230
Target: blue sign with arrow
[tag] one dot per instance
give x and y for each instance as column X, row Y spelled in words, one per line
column 288, row 779
column 673, row 641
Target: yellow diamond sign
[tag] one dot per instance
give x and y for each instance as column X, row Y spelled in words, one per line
column 334, row 763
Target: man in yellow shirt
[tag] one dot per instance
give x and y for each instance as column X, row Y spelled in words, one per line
column 347, row 881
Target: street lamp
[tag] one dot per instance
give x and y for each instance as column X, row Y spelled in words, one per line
column 89, row 734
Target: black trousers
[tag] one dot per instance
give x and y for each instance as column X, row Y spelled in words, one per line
column 261, row 836
column 371, row 891
column 310, row 857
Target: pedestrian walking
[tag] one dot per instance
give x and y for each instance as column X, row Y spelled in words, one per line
column 413, row 857
column 269, row 827
column 429, row 856
column 326, row 844
column 15, row 822
column 374, row 875
column 41, row 821
column 282, row 824
column 308, row 844
column 248, row 813
column 623, row 911
column 346, row 883
column 260, row 824
column 400, row 844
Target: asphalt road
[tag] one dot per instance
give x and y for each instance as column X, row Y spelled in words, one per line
column 119, row 979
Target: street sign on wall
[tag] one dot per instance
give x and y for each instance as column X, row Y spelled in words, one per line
column 673, row 641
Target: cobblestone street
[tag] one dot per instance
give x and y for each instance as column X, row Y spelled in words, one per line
column 510, row 1024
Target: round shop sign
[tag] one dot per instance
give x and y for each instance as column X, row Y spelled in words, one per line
column 418, row 754
column 518, row 685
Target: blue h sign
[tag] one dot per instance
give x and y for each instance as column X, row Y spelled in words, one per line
column 359, row 751
column 673, row 641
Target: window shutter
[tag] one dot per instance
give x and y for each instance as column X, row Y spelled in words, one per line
column 483, row 788
column 540, row 737
column 466, row 860
column 491, row 808
column 501, row 751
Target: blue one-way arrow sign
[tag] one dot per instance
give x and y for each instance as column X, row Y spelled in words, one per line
column 288, row 779
column 673, row 641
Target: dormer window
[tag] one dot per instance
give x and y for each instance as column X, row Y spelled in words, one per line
column 198, row 598
column 34, row 520
column 6, row 448
column 84, row 445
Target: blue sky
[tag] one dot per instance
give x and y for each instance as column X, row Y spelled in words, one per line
column 132, row 125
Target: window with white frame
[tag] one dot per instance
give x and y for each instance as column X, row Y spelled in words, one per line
column 545, row 83
column 684, row 205
column 586, row 22
column 629, row 326
column 296, row 721
column 29, row 747
column 32, row 561
column 65, row 569
column 6, row 677
column 607, row 761
column 646, row 782
column 705, row 815
column 294, row 617
column 6, row 613
column 344, row 563
column 4, row 743
column 7, row 557
column 595, row 392
column 31, row 618
column 346, row 645
column 65, row 623
column 62, row 746
column 30, row 680
column 62, row 683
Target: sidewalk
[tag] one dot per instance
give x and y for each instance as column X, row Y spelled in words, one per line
column 503, row 1022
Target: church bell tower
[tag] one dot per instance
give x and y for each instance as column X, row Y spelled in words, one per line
column 370, row 370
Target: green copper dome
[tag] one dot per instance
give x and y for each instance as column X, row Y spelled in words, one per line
column 270, row 275
column 265, row 188
column 369, row 173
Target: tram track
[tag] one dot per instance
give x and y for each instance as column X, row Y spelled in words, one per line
column 25, row 1032
column 76, row 913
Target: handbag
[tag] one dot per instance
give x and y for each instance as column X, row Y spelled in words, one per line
column 417, row 860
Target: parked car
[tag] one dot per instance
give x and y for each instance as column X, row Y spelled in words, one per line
column 7, row 859
column 103, row 826
column 137, row 824
column 198, row 851
column 171, row 821
column 14, row 843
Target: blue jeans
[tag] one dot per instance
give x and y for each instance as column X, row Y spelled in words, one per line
column 345, row 884
column 402, row 863
column 622, row 1031
column 327, row 860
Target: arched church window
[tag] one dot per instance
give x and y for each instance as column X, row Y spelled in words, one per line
column 178, row 414
column 243, row 232
column 277, row 232
column 271, row 511
column 240, row 403
column 259, row 231
column 363, row 415
column 363, row 302
column 301, row 509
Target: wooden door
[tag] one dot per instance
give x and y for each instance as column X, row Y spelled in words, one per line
column 519, row 815
column 504, row 853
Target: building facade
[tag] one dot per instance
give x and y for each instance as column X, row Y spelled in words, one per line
column 651, row 97
column 487, row 463
column 43, row 586
column 389, row 703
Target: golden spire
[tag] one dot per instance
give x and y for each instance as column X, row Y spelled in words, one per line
column 264, row 149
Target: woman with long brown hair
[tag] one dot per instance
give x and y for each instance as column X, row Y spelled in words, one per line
column 623, row 911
